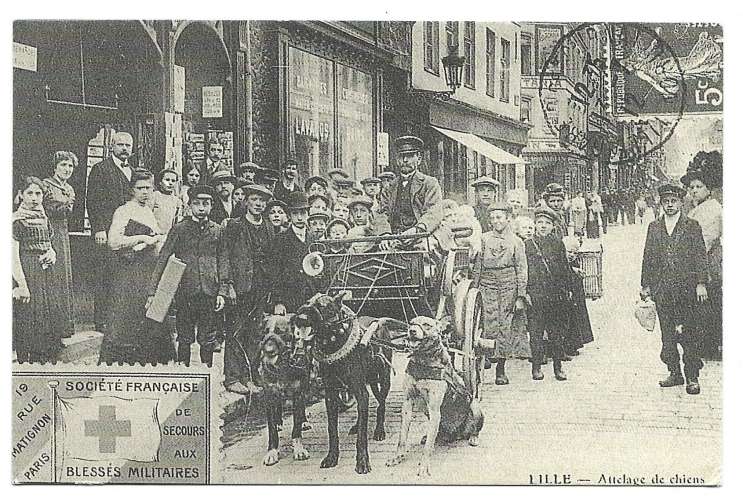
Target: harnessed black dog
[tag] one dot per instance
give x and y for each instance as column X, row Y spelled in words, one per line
column 346, row 360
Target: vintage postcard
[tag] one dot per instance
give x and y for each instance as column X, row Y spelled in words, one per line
column 367, row 252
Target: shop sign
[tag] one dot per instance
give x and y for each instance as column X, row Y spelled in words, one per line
column 179, row 88
column 24, row 56
column 211, row 102
column 383, row 149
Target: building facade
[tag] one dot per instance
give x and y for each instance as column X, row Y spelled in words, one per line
column 478, row 130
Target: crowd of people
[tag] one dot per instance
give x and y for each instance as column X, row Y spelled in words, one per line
column 243, row 241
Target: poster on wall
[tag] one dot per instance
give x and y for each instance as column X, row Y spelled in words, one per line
column 179, row 88
column 211, row 102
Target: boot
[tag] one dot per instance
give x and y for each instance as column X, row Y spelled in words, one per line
column 206, row 353
column 500, row 372
column 184, row 353
column 536, row 371
column 559, row 374
column 692, row 386
column 674, row 378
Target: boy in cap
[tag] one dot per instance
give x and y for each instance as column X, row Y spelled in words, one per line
column 317, row 222
column 363, row 216
column 316, row 185
column 548, row 287
column 245, row 242
column 386, row 179
column 223, row 183
column 202, row 290
column 486, row 190
column 372, row 188
column 674, row 276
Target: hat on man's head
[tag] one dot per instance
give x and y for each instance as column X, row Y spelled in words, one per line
column 201, row 191
column 671, row 189
column 337, row 171
column 318, row 213
column 553, row 189
column 315, row 179
column 268, row 174
column 274, row 202
column 361, row 200
column 387, row 176
column 314, row 197
column 500, row 206
column 356, row 191
column 249, row 165
column 408, row 144
column 370, row 180
column 222, row 176
column 485, row 181
column 257, row 189
column 543, row 211
column 297, row 200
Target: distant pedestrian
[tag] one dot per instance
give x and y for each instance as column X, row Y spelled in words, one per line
column 675, row 277
column 594, row 215
column 578, row 213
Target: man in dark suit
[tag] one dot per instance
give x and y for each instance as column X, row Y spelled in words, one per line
column 412, row 202
column 246, row 241
column 674, row 275
column 291, row 286
column 108, row 189
column 224, row 183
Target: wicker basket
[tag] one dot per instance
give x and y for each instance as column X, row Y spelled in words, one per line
column 591, row 264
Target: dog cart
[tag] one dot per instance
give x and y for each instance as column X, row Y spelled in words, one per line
column 590, row 259
column 407, row 282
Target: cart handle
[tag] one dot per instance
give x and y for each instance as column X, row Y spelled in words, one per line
column 375, row 239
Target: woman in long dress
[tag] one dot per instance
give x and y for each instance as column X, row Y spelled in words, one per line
column 501, row 274
column 708, row 212
column 136, row 239
column 59, row 198
column 38, row 313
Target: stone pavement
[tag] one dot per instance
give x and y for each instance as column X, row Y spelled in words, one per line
column 609, row 423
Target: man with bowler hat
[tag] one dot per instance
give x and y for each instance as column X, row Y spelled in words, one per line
column 674, row 276
column 202, row 290
column 412, row 203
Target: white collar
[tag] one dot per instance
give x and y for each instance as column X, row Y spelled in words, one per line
column 671, row 221
column 300, row 233
column 119, row 163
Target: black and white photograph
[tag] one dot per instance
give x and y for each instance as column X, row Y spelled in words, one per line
column 367, row 252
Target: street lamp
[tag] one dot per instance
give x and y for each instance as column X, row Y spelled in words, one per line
column 453, row 65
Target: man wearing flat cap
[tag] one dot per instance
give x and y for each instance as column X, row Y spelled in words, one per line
column 554, row 198
column 288, row 181
column 363, row 215
column 412, row 202
column 245, row 241
column 674, row 276
column 386, row 179
column 486, row 190
column 203, row 287
column 223, row 183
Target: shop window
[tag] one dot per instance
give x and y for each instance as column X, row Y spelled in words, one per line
column 331, row 116
column 490, row 60
column 505, row 70
column 431, row 47
column 469, row 54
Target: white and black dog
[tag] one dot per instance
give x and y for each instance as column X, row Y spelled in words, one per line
column 453, row 413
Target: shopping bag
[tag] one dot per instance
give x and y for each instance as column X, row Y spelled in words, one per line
column 646, row 314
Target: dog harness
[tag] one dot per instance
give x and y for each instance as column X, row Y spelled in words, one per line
column 353, row 340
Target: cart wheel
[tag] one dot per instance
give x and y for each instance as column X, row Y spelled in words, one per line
column 459, row 300
column 473, row 327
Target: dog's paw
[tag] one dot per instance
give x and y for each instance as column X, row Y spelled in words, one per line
column 474, row 440
column 331, row 460
column 379, row 435
column 353, row 430
column 396, row 460
column 271, row 457
column 424, row 469
column 300, row 452
column 363, row 466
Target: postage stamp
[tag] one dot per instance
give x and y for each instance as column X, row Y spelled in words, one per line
column 112, row 427
column 379, row 252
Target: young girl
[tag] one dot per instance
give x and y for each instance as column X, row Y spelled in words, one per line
column 38, row 312
column 192, row 178
column 166, row 206
column 501, row 275
column 548, row 288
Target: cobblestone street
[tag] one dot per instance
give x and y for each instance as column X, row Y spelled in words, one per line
column 609, row 423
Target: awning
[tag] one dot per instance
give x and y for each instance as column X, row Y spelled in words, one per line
column 483, row 147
